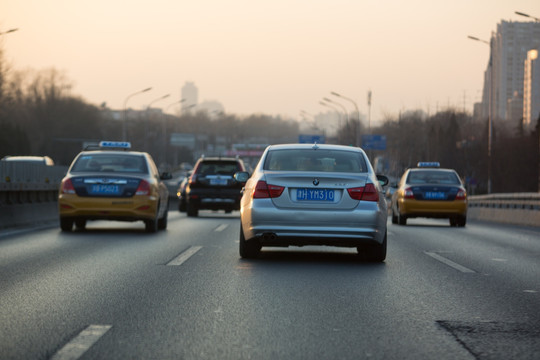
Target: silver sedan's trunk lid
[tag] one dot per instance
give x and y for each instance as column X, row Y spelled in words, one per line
column 315, row 190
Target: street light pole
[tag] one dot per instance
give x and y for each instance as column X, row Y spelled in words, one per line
column 8, row 31
column 342, row 107
column 527, row 15
column 490, row 106
column 124, row 131
column 164, row 131
column 147, row 119
column 357, row 112
column 335, row 109
column 369, row 111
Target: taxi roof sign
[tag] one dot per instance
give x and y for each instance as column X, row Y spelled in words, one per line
column 115, row 145
column 432, row 164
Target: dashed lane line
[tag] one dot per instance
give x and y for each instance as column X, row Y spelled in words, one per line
column 74, row 349
column 450, row 263
column 221, row 227
column 183, row 257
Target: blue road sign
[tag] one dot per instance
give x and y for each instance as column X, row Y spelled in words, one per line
column 374, row 142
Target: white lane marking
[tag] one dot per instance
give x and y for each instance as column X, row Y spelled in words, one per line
column 180, row 259
column 500, row 260
column 81, row 343
column 530, row 291
column 221, row 227
column 449, row 262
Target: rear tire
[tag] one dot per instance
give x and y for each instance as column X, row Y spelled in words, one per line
column 80, row 224
column 192, row 211
column 162, row 223
column 377, row 252
column 401, row 219
column 394, row 217
column 151, row 226
column 66, row 224
column 182, row 205
column 248, row 249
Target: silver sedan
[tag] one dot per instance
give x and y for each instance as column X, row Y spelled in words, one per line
column 313, row 194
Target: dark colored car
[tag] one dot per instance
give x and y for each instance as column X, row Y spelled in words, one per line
column 212, row 186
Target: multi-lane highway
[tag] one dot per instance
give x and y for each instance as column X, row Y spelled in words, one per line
column 117, row 292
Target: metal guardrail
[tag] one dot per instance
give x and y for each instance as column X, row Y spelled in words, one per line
column 522, row 201
column 521, row 209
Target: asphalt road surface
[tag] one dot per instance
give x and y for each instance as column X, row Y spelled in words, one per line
column 116, row 292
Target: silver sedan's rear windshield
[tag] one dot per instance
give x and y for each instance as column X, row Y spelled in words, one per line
column 120, row 163
column 315, row 160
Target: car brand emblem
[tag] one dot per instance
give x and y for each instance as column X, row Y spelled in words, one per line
column 315, row 182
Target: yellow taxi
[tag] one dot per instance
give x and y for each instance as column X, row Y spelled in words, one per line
column 113, row 183
column 430, row 191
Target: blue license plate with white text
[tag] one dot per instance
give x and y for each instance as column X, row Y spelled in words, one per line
column 434, row 195
column 315, row 195
column 104, row 189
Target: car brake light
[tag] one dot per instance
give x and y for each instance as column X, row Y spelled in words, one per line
column 263, row 190
column 67, row 187
column 408, row 193
column 143, row 189
column 364, row 193
column 461, row 195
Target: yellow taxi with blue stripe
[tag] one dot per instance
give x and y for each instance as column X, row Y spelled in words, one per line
column 113, row 183
column 430, row 191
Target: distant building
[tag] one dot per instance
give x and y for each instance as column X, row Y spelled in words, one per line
column 531, row 90
column 510, row 45
column 213, row 108
column 190, row 95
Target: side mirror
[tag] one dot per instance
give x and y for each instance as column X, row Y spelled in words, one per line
column 241, row 176
column 383, row 180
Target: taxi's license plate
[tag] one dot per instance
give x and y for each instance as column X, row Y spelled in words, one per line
column 434, row 195
column 315, row 195
column 105, row 190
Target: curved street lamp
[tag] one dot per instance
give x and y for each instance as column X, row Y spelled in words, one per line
column 490, row 105
column 147, row 118
column 174, row 103
column 357, row 112
column 124, row 132
column 8, row 31
column 527, row 15
column 335, row 109
column 341, row 106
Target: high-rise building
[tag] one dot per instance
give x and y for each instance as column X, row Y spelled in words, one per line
column 531, row 90
column 509, row 47
column 190, row 95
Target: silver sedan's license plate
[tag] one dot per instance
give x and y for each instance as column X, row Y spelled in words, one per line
column 315, row 194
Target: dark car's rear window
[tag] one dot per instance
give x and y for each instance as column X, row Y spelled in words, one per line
column 121, row 163
column 418, row 177
column 218, row 167
column 315, row 160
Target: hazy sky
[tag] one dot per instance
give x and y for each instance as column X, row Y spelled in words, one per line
column 275, row 57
